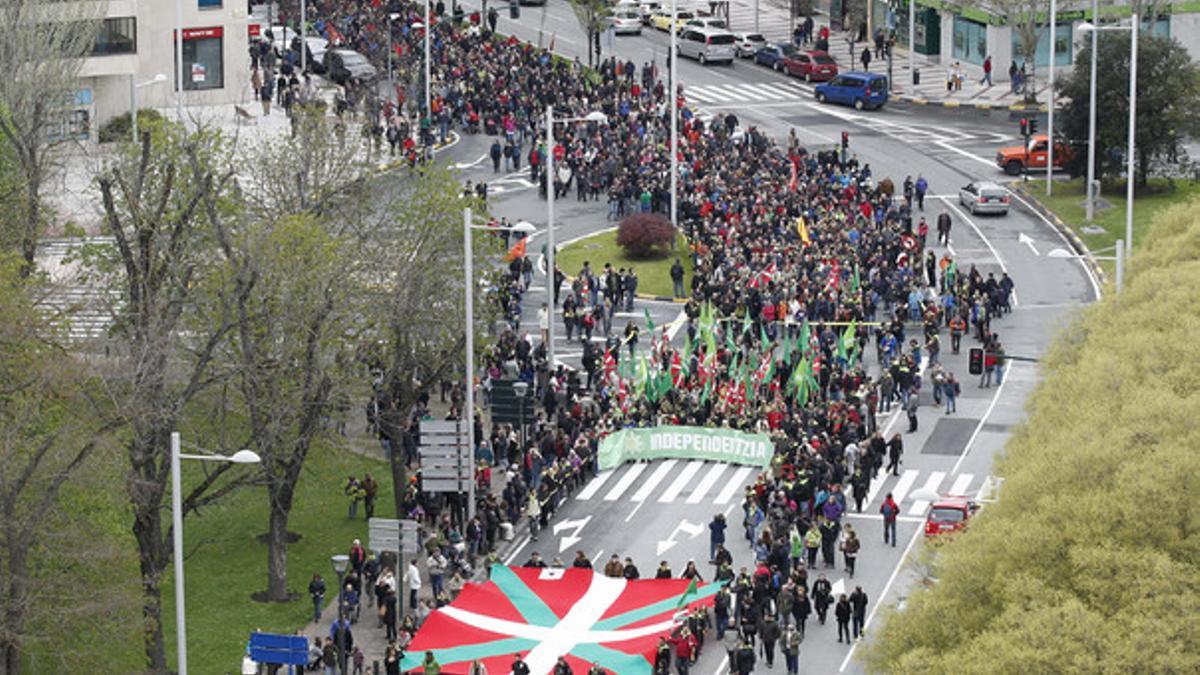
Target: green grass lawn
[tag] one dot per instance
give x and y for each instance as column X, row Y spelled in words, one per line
column 654, row 274
column 1068, row 199
column 225, row 563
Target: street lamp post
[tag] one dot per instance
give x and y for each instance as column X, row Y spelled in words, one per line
column 133, row 106
column 239, row 457
column 912, row 46
column 391, row 50
column 521, row 388
column 1133, row 29
column 341, row 563
column 1091, row 167
column 303, row 39
column 179, row 60
column 673, row 101
column 1050, row 109
column 469, row 300
column 428, row 30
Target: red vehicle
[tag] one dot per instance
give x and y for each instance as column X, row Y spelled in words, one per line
column 949, row 514
column 813, row 66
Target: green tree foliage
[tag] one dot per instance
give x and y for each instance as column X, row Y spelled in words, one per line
column 1168, row 98
column 1090, row 561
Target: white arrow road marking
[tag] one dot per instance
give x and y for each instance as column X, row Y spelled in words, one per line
column 573, row 538
column 693, row 530
column 1028, row 241
column 838, row 587
column 468, row 165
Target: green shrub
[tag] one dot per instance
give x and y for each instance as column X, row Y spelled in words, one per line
column 642, row 235
column 118, row 128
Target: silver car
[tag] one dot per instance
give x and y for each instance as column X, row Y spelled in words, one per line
column 984, row 197
column 706, row 45
column 746, row 44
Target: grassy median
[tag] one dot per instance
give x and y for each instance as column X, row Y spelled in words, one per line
column 654, row 274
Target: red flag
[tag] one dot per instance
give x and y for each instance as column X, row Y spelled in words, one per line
column 795, row 180
column 517, row 251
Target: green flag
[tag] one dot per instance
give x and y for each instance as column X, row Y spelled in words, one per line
column 690, row 592
column 848, row 345
column 649, row 321
column 746, row 322
column 857, row 284
column 805, row 338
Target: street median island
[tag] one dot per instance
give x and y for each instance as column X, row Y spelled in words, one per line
column 653, row 269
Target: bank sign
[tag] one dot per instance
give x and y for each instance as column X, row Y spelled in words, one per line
column 718, row 445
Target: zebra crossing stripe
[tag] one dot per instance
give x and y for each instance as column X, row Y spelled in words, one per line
column 594, row 485
column 735, row 482
column 900, row 490
column 623, row 484
column 684, row 478
column 701, row 94
column 706, row 483
column 655, row 478
column 767, row 90
column 961, row 484
column 935, row 479
column 745, row 91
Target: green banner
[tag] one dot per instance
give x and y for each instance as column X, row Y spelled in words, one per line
column 720, row 445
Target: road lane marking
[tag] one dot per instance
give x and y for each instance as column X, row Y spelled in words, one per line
column 935, row 479
column 594, row 485
column 879, row 603
column 681, row 481
column 706, row 483
column 961, row 484
column 655, row 478
column 988, row 413
column 623, row 484
column 735, row 482
column 900, row 490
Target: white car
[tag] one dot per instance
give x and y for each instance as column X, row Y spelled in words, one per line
column 748, row 44
column 707, row 22
column 984, row 197
column 627, row 22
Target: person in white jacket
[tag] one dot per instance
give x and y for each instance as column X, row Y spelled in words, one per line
column 413, row 578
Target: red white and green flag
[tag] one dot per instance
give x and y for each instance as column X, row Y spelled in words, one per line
column 545, row 613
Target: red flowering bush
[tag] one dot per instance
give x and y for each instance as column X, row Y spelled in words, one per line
column 642, row 235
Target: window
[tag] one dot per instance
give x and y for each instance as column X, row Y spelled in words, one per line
column 1062, row 47
column 203, row 58
column 210, row 4
column 117, row 35
column 970, row 40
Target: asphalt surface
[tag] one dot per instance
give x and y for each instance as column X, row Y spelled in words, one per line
column 659, row 511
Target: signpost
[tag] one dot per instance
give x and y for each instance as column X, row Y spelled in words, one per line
column 446, row 464
column 397, row 536
column 288, row 650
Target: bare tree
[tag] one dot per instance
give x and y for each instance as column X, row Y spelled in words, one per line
column 42, row 51
column 593, row 16
column 175, row 315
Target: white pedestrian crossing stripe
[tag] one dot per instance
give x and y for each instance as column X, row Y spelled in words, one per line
column 761, row 92
column 706, row 483
column 935, row 479
column 623, row 484
column 655, row 478
column 594, row 485
column 961, row 484
column 680, row 482
column 900, row 490
column 734, row 484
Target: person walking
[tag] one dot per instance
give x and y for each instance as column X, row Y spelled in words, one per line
column 889, row 509
column 866, row 58
column 951, row 389
column 716, row 536
column 850, row 546
column 677, row 278
column 958, row 326
column 745, row 658
column 858, row 611
column 822, row 597
column 790, row 644
column 922, row 186
column 895, row 449
column 987, row 71
column 316, row 589
column 943, row 228
column 812, row 543
column 413, row 578
column 533, row 511
column 769, row 632
column 842, row 614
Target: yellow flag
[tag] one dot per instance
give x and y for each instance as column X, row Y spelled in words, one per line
column 802, row 230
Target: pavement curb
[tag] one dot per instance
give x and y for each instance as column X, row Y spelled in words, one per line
column 977, row 105
column 1063, row 228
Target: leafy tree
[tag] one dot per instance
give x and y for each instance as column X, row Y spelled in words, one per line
column 643, row 234
column 163, row 206
column 593, row 16
column 1090, row 561
column 1025, row 17
column 1168, row 97
column 41, row 59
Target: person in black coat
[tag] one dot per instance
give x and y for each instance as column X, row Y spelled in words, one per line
column 745, row 658
column 822, row 592
column 769, row 631
column 842, row 613
column 858, row 606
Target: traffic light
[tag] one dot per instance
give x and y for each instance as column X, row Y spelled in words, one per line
column 975, row 361
column 514, row 10
column 1032, row 126
column 1024, row 127
column 845, row 139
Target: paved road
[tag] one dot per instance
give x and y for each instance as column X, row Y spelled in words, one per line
column 658, row 511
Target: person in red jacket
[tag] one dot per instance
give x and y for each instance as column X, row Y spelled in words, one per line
column 685, row 650
column 890, row 510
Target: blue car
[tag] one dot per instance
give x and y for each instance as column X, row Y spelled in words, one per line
column 861, row 90
column 774, row 54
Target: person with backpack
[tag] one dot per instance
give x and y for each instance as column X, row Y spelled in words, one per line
column 890, row 510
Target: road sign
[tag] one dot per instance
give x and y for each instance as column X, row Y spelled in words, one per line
column 445, row 452
column 280, row 649
column 389, row 534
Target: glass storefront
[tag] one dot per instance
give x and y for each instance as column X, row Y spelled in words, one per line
column 1062, row 52
column 970, row 41
column 203, row 58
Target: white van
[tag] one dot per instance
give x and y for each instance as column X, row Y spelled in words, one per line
column 706, row 45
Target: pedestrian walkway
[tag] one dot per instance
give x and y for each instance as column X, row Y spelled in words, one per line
column 768, row 92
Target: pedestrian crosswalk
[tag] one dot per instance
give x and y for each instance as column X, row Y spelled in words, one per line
column 669, row 481
column 673, row 481
column 762, row 92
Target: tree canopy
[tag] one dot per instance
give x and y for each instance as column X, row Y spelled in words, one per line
column 1090, row 561
column 1168, row 92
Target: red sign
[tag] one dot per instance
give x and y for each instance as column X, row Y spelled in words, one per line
column 254, row 29
column 201, row 33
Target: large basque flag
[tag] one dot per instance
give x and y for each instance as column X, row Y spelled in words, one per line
column 548, row 612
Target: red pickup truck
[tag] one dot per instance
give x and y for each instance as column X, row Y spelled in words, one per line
column 1014, row 158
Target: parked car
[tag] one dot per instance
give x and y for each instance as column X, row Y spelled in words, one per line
column 813, row 66
column 1016, row 158
column 747, row 44
column 531, row 2
column 984, row 197
column 342, row 65
column 949, row 514
column 706, row 45
column 627, row 22
column 773, row 54
column 861, row 90
column 315, row 58
column 647, row 9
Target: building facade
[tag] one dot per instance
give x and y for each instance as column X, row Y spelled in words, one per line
column 137, row 42
column 958, row 32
